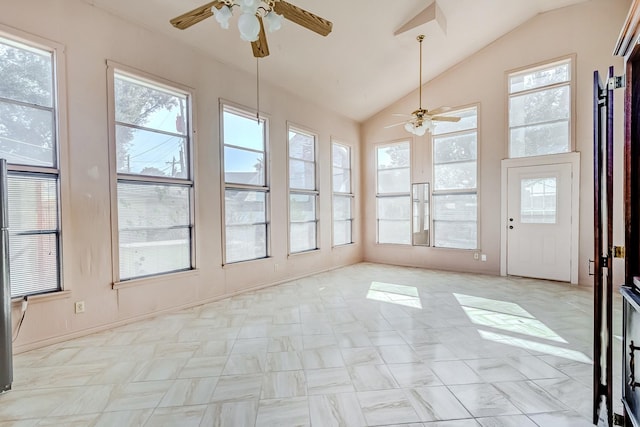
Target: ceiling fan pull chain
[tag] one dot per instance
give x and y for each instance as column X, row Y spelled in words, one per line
column 258, row 90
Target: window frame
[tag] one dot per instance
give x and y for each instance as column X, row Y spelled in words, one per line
column 571, row 60
column 247, row 113
column 315, row 192
column 188, row 182
column 462, row 191
column 60, row 138
column 349, row 195
column 390, row 195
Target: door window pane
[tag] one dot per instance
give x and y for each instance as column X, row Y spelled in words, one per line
column 538, row 200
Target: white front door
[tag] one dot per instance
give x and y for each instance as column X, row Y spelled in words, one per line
column 539, row 229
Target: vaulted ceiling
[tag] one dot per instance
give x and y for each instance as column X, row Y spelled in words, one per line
column 361, row 67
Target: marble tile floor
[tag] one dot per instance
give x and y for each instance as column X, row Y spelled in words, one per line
column 364, row 345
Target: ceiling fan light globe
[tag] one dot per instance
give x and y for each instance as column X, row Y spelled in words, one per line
column 409, row 127
column 223, row 15
column 421, row 130
column 249, row 6
column 273, row 21
column 249, row 27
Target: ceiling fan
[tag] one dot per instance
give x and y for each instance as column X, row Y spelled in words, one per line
column 421, row 120
column 254, row 15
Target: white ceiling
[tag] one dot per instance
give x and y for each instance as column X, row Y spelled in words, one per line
column 361, row 67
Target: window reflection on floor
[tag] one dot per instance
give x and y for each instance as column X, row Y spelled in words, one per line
column 511, row 317
column 395, row 294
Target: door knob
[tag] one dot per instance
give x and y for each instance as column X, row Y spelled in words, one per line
column 511, row 227
column 511, row 219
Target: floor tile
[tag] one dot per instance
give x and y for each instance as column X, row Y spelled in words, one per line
column 436, row 404
column 317, row 350
column 483, row 400
column 529, row 398
column 328, row 381
column 387, row 407
column 372, row 377
column 284, row 412
column 336, row 410
column 240, row 414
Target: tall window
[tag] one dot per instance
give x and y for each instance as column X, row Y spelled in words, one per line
column 455, row 181
column 303, row 192
column 393, row 194
column 540, row 110
column 246, row 194
column 342, row 194
column 154, row 179
column 29, row 142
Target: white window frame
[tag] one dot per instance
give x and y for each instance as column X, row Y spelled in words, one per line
column 58, row 169
column 249, row 114
column 314, row 193
column 114, row 68
column 435, row 193
column 391, row 195
column 571, row 60
column 343, row 194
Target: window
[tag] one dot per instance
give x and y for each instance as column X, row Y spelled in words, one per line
column 29, row 141
column 540, row 110
column 154, row 186
column 246, row 191
column 455, row 181
column 342, row 195
column 303, row 192
column 393, row 195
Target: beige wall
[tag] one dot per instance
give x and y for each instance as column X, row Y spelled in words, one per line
column 90, row 37
column 588, row 30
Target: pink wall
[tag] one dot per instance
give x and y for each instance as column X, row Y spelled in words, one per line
column 90, row 37
column 588, row 30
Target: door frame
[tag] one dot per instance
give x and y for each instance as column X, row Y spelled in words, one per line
column 572, row 158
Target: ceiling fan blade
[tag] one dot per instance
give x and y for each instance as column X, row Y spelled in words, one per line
column 302, row 17
column 394, row 125
column 260, row 47
column 445, row 118
column 439, row 110
column 401, row 115
column 198, row 14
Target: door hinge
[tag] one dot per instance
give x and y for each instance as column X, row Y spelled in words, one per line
column 616, row 82
column 618, row 251
column 618, row 420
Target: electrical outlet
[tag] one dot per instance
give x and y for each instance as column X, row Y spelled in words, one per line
column 484, row 257
column 476, row 256
column 79, row 307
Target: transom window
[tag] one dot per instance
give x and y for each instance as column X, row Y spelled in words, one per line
column 455, row 181
column 342, row 194
column 29, row 130
column 540, row 110
column 154, row 181
column 246, row 192
column 393, row 192
column 303, row 192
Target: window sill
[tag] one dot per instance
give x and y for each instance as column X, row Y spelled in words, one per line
column 244, row 263
column 154, row 279
column 310, row 251
column 35, row 299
